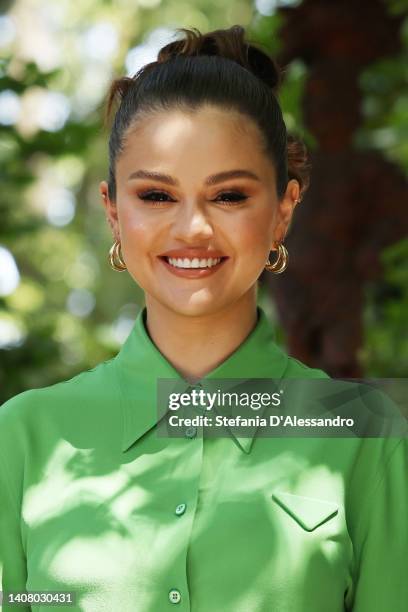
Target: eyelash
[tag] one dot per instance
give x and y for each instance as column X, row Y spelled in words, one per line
column 241, row 197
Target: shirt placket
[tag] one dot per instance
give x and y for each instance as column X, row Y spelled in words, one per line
column 191, row 457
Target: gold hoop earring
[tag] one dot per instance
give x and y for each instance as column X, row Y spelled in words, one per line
column 282, row 261
column 116, row 258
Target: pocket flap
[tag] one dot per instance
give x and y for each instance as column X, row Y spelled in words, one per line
column 308, row 512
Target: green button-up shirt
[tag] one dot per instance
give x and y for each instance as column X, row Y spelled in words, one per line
column 93, row 501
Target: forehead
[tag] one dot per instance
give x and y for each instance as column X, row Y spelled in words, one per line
column 206, row 137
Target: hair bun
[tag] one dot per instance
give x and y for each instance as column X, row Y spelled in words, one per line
column 299, row 164
column 229, row 43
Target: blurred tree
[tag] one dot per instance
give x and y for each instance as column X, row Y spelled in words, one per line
column 68, row 309
column 357, row 202
column 62, row 308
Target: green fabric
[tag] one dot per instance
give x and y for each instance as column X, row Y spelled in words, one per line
column 93, row 501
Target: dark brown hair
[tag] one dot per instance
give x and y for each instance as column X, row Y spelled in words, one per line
column 220, row 68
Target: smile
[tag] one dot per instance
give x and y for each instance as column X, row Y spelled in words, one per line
column 192, row 268
column 193, row 263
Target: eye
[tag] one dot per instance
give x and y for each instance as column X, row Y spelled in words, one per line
column 152, row 196
column 232, row 198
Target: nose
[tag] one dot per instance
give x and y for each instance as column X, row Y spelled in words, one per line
column 191, row 223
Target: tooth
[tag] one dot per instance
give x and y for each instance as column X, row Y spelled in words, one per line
column 194, row 263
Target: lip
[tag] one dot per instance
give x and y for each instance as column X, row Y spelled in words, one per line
column 192, row 272
column 192, row 253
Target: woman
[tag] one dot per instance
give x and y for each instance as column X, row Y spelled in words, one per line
column 202, row 186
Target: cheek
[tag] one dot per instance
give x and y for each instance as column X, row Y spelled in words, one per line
column 253, row 235
column 136, row 229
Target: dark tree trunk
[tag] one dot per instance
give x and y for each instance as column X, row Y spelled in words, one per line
column 357, row 201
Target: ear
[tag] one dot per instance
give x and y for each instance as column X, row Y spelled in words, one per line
column 110, row 209
column 286, row 206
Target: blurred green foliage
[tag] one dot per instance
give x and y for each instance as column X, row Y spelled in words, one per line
column 70, row 310
column 385, row 352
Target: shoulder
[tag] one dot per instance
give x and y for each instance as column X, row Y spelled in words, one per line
column 298, row 368
column 38, row 422
column 33, row 403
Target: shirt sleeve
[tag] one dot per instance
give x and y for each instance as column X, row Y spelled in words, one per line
column 13, row 567
column 381, row 546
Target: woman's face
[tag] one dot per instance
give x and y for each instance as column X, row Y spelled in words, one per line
column 195, row 212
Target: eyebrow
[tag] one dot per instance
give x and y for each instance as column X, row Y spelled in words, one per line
column 210, row 180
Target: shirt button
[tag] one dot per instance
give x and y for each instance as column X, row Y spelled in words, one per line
column 181, row 508
column 174, row 596
column 191, row 432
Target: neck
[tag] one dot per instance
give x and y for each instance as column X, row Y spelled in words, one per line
column 196, row 344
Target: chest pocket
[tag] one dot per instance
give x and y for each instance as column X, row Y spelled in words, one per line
column 308, row 512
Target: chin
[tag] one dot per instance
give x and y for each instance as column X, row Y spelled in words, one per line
column 194, row 309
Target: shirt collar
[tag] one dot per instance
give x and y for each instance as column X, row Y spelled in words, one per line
column 139, row 364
